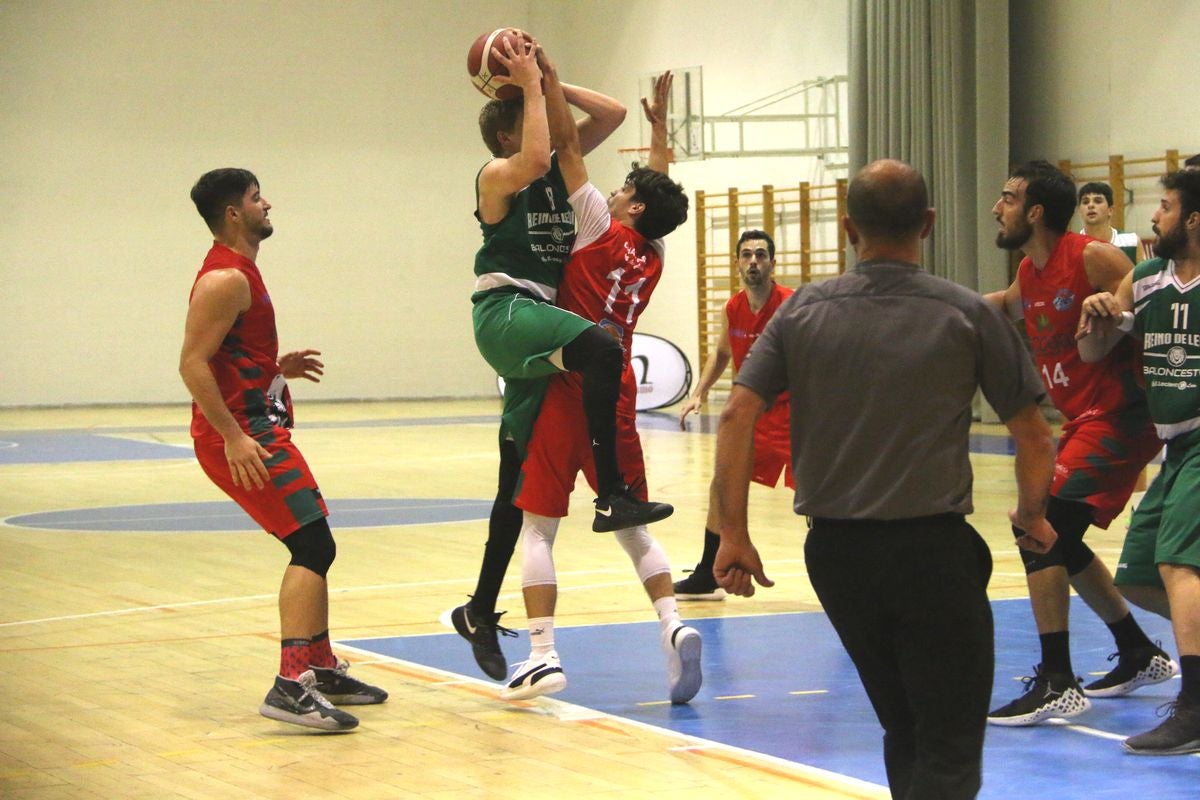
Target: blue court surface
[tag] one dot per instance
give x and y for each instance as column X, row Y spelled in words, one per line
column 225, row 515
column 782, row 685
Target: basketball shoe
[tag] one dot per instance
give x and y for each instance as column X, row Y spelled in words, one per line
column 298, row 702
column 1179, row 733
column 1047, row 694
column 480, row 629
column 1140, row 667
column 342, row 690
column 622, row 510
column 700, row 585
column 535, row 677
column 684, row 676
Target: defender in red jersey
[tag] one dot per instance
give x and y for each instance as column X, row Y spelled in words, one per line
column 1106, row 441
column 613, row 270
column 241, row 413
column 746, row 314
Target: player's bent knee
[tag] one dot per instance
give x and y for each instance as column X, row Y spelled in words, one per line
column 537, row 550
column 312, row 547
column 1078, row 558
column 647, row 555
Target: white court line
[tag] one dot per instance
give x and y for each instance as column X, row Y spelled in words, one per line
column 1088, row 731
column 569, row 712
column 342, row 590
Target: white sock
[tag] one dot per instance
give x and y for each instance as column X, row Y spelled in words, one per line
column 668, row 615
column 541, row 636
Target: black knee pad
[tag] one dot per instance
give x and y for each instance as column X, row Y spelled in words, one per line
column 1035, row 562
column 594, row 351
column 1070, row 521
column 1078, row 559
column 312, row 547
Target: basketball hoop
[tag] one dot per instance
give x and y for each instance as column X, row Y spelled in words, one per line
column 641, row 155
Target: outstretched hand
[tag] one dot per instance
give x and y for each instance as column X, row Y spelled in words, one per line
column 656, row 110
column 302, row 364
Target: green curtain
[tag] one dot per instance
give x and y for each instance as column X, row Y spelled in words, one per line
column 928, row 84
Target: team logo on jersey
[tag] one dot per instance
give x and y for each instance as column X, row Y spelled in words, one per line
column 612, row 329
column 1064, row 299
column 1177, row 356
column 556, row 234
column 1042, row 322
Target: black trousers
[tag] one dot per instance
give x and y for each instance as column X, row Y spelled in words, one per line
column 908, row 599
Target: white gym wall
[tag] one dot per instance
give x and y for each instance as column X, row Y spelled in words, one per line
column 359, row 119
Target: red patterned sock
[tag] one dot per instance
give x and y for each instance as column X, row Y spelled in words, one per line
column 295, row 655
column 321, row 653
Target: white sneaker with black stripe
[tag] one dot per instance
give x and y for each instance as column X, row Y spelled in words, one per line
column 536, row 677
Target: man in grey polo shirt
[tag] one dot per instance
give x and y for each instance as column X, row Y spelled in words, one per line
column 882, row 364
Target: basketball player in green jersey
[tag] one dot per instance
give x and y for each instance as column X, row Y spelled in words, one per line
column 1159, row 303
column 528, row 228
column 1096, row 211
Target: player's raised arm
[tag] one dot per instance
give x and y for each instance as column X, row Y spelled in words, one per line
column 564, row 134
column 604, row 115
column 656, row 114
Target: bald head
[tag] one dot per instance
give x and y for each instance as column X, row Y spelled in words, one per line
column 888, row 201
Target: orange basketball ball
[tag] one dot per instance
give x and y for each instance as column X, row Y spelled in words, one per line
column 483, row 66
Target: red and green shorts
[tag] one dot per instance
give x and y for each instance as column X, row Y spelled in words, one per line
column 1099, row 460
column 287, row 502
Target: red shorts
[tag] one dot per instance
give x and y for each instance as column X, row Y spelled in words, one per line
column 1099, row 460
column 773, row 447
column 287, row 502
column 560, row 447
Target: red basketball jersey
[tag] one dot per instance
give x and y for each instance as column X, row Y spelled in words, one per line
column 246, row 364
column 1052, row 299
column 745, row 326
column 610, row 280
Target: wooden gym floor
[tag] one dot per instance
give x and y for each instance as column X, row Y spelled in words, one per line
column 139, row 629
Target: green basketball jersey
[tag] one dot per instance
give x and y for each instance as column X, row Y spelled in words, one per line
column 1167, row 319
column 527, row 249
column 1128, row 242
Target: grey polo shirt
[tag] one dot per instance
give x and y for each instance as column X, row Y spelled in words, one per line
column 882, row 364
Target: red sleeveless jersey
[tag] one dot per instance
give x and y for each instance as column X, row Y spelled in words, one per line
column 610, row 280
column 246, row 364
column 744, row 325
column 1052, row 299
column 744, row 328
